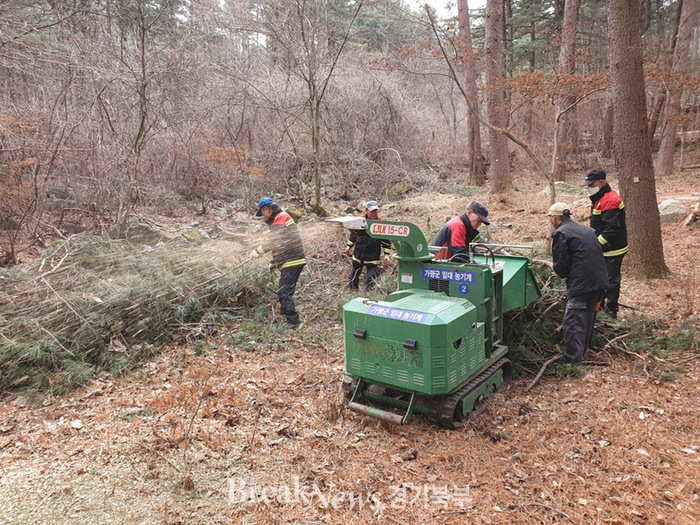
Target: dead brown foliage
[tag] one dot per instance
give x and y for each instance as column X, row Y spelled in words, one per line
column 162, row 445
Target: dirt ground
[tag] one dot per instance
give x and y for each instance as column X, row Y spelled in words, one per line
column 256, row 431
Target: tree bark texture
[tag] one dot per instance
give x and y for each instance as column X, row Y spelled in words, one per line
column 657, row 104
column 567, row 66
column 499, row 169
column 660, row 99
column 672, row 114
column 475, row 158
column 608, row 114
column 632, row 149
column 129, row 191
column 508, row 52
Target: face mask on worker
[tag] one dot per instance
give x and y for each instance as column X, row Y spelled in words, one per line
column 592, row 190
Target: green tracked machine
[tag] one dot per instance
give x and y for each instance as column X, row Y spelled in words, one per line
column 434, row 346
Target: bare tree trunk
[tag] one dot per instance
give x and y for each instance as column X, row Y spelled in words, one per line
column 667, row 148
column 508, row 52
column 661, row 98
column 681, row 159
column 129, row 191
column 475, row 158
column 533, row 39
column 559, row 9
column 320, row 60
column 608, row 118
column 508, row 55
column 530, row 103
column 310, row 24
column 567, row 66
column 695, row 52
column 315, row 105
column 632, row 149
column 499, row 170
column 656, row 106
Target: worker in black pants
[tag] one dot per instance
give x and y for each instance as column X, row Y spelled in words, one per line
column 578, row 257
column 287, row 249
column 367, row 252
column 610, row 225
column 285, row 294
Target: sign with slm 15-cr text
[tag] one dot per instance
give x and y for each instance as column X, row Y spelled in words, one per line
column 395, row 230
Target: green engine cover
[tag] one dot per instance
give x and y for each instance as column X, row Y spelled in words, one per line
column 416, row 340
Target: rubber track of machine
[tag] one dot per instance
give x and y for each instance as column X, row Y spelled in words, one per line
column 448, row 406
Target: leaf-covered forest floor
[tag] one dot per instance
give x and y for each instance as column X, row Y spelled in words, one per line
column 251, row 427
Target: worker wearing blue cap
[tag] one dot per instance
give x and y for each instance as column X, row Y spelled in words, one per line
column 284, row 243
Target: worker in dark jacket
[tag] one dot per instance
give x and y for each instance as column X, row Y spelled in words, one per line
column 578, row 257
column 367, row 251
column 284, row 242
column 608, row 221
column 454, row 237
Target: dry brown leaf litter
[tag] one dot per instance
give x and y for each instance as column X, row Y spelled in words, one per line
column 174, row 442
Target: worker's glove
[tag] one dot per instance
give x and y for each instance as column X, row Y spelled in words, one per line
column 385, row 262
column 271, row 267
column 348, row 252
column 254, row 254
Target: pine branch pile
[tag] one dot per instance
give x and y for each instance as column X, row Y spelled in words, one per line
column 94, row 304
column 534, row 334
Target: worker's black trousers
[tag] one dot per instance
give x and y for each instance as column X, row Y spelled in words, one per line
column 612, row 292
column 357, row 271
column 579, row 320
column 285, row 293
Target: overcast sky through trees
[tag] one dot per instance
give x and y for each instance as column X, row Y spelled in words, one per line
column 447, row 8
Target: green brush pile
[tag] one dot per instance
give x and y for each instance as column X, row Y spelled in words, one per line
column 534, row 333
column 531, row 333
column 95, row 304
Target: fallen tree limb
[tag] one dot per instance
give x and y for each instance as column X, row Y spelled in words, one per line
column 539, row 374
column 539, row 319
column 543, row 263
column 618, row 338
column 683, row 360
column 153, row 451
column 644, row 362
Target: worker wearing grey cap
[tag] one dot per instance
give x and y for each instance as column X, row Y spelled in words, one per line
column 366, row 251
column 454, row 237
